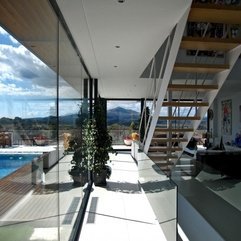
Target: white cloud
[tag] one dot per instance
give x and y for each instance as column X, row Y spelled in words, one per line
column 3, row 32
column 20, row 66
column 24, row 79
column 11, row 38
column 14, row 41
column 132, row 105
column 17, row 64
column 10, row 89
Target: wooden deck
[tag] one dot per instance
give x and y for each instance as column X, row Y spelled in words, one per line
column 14, row 187
column 42, row 206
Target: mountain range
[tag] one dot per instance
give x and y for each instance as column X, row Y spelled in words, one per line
column 117, row 115
column 122, row 116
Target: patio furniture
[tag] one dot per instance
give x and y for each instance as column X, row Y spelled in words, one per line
column 5, row 139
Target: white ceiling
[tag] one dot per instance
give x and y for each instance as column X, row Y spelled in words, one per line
column 139, row 27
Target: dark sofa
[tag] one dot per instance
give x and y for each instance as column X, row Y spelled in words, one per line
column 226, row 162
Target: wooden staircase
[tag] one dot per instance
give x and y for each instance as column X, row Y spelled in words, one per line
column 188, row 99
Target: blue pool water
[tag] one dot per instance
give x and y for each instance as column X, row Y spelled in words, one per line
column 9, row 163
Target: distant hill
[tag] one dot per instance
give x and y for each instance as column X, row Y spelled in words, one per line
column 122, row 116
column 63, row 120
column 117, row 115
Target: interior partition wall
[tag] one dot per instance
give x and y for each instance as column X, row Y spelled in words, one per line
column 42, row 102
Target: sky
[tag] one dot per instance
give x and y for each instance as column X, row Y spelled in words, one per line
column 25, row 81
column 132, row 105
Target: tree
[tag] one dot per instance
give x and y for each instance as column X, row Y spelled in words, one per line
column 103, row 139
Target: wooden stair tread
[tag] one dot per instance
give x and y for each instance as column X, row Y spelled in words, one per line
column 161, row 156
column 191, row 87
column 184, row 103
column 164, row 164
column 206, row 43
column 200, row 68
column 158, row 129
column 215, row 13
column 164, row 148
column 179, row 118
column 176, row 139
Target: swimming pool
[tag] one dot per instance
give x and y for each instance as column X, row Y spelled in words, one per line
column 9, row 163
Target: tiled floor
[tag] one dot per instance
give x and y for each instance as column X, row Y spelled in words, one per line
column 121, row 210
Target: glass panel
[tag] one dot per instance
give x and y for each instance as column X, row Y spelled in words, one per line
column 71, row 75
column 160, row 191
column 28, row 122
column 122, row 119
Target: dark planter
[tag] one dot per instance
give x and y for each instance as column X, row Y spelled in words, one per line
column 100, row 177
column 80, row 178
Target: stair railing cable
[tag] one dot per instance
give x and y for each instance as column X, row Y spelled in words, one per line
column 177, row 123
column 194, row 60
column 205, row 77
column 143, row 113
column 196, row 81
column 157, row 85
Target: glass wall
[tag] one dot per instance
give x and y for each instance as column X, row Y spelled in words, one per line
column 41, row 85
column 71, row 78
column 160, row 191
column 123, row 118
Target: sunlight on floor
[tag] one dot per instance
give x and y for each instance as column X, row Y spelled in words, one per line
column 45, row 234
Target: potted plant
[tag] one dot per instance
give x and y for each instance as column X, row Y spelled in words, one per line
column 40, row 140
column 101, row 171
column 133, row 135
column 93, row 153
column 127, row 140
column 78, row 172
column 84, row 154
column 79, row 168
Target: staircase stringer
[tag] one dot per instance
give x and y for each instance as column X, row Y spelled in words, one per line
column 220, row 78
column 179, row 29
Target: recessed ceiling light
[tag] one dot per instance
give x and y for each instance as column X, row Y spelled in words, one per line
column 115, row 66
column 117, row 46
column 121, row 1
